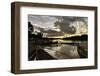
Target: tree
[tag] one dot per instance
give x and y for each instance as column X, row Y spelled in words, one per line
column 30, row 29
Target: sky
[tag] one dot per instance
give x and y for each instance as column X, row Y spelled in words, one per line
column 66, row 24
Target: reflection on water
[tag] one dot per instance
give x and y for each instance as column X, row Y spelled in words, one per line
column 73, row 50
column 66, row 51
column 62, row 51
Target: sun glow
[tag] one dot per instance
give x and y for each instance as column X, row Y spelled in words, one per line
column 67, row 35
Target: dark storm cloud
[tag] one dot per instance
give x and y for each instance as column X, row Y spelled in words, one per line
column 56, row 23
column 66, row 21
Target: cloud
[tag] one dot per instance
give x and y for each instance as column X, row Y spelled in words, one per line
column 65, row 24
column 70, row 24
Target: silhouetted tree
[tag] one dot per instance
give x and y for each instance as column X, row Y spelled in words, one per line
column 30, row 30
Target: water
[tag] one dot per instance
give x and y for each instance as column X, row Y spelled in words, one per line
column 70, row 50
column 62, row 51
column 67, row 51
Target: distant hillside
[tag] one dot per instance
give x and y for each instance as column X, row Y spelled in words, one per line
column 82, row 38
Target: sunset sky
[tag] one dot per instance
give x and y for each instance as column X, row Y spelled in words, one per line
column 66, row 24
